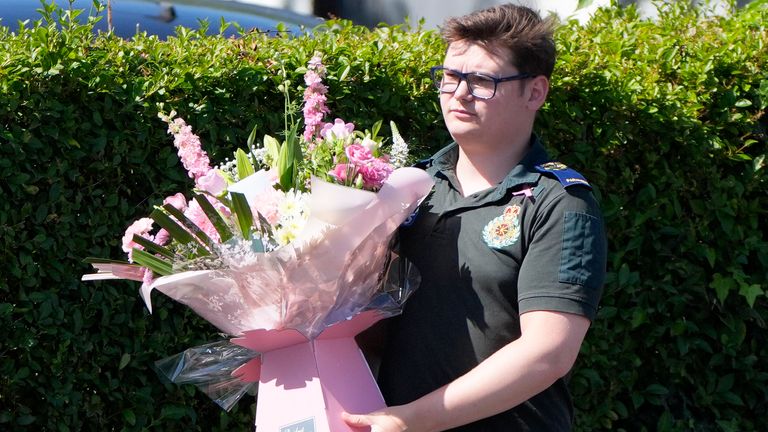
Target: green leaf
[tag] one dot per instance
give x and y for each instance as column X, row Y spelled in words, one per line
column 124, row 360
column 743, row 103
column 152, row 246
column 174, row 229
column 290, row 154
column 242, row 212
column 189, row 225
column 244, row 166
column 157, row 265
column 252, row 137
column 722, row 286
column 215, row 217
column 272, row 145
column 129, row 417
column 751, row 293
column 344, row 74
column 583, row 4
column 657, row 389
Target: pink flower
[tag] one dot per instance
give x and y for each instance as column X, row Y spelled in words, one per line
column 338, row 129
column 191, row 153
column 267, row 203
column 342, row 172
column 357, row 154
column 314, row 108
column 178, row 200
column 147, row 277
column 375, row 172
column 212, row 182
column 312, row 78
column 196, row 214
column 141, row 227
column 163, row 237
column 316, row 63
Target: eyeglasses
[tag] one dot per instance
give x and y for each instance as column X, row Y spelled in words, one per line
column 480, row 85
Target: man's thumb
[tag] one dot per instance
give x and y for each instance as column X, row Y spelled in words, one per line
column 355, row 419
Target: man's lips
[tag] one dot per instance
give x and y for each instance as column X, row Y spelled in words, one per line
column 459, row 112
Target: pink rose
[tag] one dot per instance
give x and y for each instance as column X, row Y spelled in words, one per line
column 212, row 182
column 357, row 154
column 342, row 172
column 177, row 200
column 375, row 173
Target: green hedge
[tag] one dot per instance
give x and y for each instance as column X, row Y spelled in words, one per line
column 667, row 118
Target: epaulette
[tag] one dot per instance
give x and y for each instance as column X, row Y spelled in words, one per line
column 423, row 164
column 567, row 176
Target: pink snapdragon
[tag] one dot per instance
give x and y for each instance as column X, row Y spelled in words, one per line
column 314, row 98
column 141, row 227
column 191, row 153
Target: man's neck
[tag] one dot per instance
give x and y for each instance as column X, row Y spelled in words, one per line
column 482, row 167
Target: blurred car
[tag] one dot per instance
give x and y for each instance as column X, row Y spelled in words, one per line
column 162, row 17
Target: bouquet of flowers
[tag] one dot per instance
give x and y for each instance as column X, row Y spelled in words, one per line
column 286, row 247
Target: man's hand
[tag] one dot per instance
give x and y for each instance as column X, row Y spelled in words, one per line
column 386, row 420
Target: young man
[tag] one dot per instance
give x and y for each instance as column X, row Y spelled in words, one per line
column 510, row 246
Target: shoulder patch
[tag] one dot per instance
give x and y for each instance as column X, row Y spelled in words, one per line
column 423, row 164
column 567, row 176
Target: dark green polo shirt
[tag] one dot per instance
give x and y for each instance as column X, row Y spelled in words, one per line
column 485, row 259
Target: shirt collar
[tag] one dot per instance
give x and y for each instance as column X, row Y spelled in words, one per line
column 523, row 173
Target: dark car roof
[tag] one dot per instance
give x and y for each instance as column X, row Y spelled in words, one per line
column 162, row 17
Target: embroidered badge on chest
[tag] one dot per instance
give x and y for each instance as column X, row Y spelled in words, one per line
column 504, row 230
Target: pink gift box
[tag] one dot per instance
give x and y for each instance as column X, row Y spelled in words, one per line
column 304, row 385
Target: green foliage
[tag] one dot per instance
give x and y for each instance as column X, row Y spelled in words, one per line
column 667, row 118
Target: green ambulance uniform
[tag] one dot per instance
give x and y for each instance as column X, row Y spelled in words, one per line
column 534, row 242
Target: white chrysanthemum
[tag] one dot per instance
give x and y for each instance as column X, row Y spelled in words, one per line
column 293, row 206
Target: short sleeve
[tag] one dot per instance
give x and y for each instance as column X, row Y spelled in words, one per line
column 563, row 268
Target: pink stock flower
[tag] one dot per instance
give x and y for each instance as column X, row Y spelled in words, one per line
column 338, row 129
column 191, row 153
column 141, row 227
column 212, row 182
column 177, row 200
column 314, row 108
column 312, row 78
column 316, row 63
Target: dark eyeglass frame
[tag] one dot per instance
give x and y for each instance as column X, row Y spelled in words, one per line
column 463, row 77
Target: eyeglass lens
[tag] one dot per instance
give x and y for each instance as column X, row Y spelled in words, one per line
column 480, row 86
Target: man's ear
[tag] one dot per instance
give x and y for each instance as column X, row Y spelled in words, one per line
column 538, row 88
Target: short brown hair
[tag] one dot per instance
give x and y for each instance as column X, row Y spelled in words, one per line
column 518, row 29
